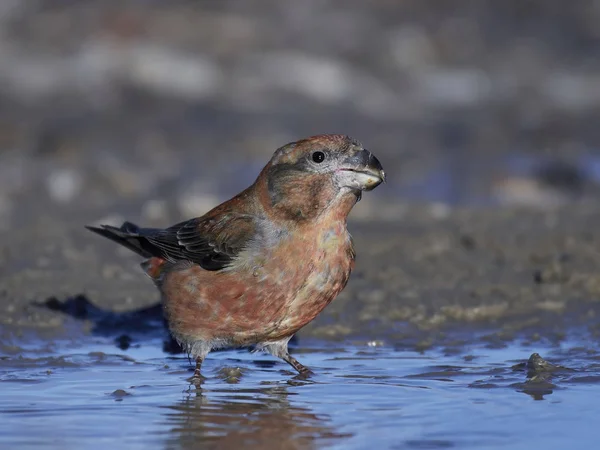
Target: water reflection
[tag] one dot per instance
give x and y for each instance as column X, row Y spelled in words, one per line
column 540, row 374
column 262, row 418
column 536, row 388
column 358, row 398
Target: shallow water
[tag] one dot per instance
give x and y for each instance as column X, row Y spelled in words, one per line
column 361, row 396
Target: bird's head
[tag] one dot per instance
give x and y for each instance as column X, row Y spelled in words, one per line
column 307, row 177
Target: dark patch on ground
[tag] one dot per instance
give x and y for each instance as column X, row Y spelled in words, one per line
column 125, row 328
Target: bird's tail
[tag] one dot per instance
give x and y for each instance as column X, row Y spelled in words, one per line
column 128, row 235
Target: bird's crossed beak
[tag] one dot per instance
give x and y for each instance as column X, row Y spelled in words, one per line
column 362, row 171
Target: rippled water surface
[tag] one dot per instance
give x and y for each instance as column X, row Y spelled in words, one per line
column 360, row 397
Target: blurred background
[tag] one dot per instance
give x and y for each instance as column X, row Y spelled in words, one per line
column 478, row 259
column 159, row 110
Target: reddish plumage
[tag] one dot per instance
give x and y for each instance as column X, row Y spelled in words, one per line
column 257, row 268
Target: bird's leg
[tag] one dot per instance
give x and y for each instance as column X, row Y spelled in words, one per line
column 199, row 361
column 198, row 350
column 197, row 378
column 280, row 350
column 302, row 370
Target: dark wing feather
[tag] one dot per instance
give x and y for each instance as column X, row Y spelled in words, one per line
column 211, row 242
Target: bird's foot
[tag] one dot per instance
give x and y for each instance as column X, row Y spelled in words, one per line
column 302, row 370
column 196, row 379
column 304, row 375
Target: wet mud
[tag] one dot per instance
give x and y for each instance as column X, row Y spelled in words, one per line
column 419, row 277
column 451, row 313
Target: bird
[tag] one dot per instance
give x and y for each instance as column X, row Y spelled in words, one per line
column 257, row 268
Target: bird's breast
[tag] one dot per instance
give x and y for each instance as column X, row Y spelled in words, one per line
column 270, row 292
column 313, row 270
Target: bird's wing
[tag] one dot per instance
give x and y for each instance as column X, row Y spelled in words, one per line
column 211, row 242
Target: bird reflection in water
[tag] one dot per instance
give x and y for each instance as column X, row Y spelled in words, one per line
column 260, row 417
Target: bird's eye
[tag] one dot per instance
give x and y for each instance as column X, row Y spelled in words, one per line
column 318, row 157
